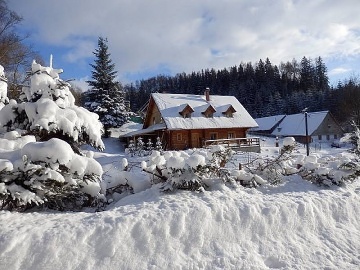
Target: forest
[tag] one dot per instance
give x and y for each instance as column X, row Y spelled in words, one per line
column 263, row 88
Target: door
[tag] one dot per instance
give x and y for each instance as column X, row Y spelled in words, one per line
column 195, row 140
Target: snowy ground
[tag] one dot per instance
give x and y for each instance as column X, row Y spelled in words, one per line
column 296, row 225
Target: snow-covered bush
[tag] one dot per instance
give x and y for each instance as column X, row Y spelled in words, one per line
column 125, row 181
column 335, row 170
column 272, row 169
column 184, row 170
column 49, row 174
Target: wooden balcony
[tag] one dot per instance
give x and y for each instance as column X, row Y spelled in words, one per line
column 251, row 144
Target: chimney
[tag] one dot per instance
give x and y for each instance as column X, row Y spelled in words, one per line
column 207, row 94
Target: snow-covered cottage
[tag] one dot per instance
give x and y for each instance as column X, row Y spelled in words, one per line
column 190, row 121
column 322, row 127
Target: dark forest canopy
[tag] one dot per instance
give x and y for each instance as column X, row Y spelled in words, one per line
column 264, row 89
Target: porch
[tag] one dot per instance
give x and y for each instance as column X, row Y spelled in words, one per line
column 251, row 144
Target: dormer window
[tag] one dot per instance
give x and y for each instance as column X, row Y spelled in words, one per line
column 209, row 112
column 229, row 111
column 186, row 111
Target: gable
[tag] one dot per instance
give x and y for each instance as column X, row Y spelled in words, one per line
column 153, row 115
column 294, row 124
column 186, row 111
column 209, row 112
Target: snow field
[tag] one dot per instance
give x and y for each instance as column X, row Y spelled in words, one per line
column 224, row 228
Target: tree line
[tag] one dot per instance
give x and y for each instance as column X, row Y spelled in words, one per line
column 263, row 88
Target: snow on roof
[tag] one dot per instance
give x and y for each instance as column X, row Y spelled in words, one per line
column 170, row 104
column 267, row 123
column 145, row 130
column 294, row 124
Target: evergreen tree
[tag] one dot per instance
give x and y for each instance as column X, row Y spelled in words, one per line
column 49, row 172
column 322, row 80
column 106, row 96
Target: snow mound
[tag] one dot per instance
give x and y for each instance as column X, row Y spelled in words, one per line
column 219, row 229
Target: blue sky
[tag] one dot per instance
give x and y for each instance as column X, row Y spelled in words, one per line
column 147, row 38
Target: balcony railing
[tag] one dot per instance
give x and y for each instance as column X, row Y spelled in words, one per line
column 251, row 144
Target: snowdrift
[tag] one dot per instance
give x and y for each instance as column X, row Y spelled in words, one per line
column 294, row 226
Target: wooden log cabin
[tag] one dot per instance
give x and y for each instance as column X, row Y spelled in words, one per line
column 185, row 121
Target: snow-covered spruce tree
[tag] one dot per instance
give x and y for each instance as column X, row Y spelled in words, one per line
column 106, row 96
column 131, row 148
column 48, row 172
column 140, row 147
column 3, row 88
column 149, row 147
column 158, row 145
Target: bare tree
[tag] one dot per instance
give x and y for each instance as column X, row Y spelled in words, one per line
column 15, row 55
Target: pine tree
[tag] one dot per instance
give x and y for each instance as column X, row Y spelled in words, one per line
column 106, row 96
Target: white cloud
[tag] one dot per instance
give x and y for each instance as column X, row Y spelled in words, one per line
column 339, row 70
column 189, row 35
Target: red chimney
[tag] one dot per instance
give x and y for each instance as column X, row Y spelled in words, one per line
column 207, row 94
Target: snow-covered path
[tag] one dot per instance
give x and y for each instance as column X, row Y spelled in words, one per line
column 225, row 228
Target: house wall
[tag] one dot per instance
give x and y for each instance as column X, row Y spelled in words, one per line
column 194, row 138
column 329, row 130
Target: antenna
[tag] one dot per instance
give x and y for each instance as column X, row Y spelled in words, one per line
column 51, row 60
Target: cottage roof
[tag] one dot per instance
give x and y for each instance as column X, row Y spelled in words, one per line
column 294, row 124
column 169, row 106
column 267, row 123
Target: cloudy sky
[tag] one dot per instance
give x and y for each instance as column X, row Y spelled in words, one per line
column 147, row 38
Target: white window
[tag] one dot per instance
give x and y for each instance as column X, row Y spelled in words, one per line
column 231, row 135
column 213, row 136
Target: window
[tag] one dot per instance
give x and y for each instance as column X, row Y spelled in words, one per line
column 319, row 137
column 179, row 137
column 213, row 136
column 209, row 112
column 328, row 137
column 231, row 135
column 335, row 136
column 186, row 111
column 230, row 111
